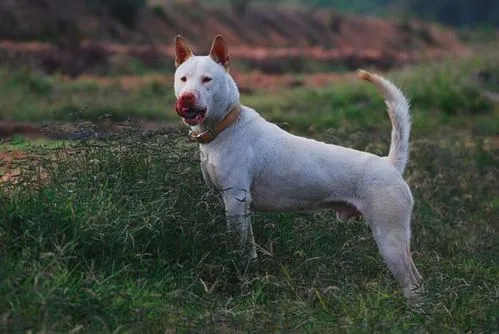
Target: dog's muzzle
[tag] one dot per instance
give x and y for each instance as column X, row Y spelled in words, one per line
column 186, row 105
column 187, row 108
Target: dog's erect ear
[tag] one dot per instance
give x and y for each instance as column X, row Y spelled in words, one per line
column 182, row 50
column 219, row 52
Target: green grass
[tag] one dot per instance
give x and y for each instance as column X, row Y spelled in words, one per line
column 20, row 143
column 123, row 235
column 31, row 96
column 442, row 92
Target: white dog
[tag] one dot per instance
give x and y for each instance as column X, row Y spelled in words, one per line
column 257, row 165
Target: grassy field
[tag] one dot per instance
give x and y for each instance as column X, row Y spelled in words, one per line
column 121, row 235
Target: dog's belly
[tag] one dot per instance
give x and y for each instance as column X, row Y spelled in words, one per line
column 266, row 201
column 268, row 198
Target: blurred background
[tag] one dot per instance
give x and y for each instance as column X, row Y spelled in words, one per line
column 88, row 60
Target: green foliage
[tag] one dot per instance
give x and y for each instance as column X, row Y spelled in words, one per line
column 480, row 35
column 441, row 92
column 461, row 13
column 29, row 83
column 159, row 11
column 37, row 97
column 444, row 89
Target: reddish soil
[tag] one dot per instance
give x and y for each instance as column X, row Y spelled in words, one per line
column 8, row 169
column 264, row 26
column 248, row 82
column 10, row 128
column 265, row 38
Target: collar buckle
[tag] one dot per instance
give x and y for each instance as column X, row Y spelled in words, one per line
column 209, row 135
column 202, row 136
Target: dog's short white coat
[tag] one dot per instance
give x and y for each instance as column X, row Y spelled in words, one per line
column 257, row 165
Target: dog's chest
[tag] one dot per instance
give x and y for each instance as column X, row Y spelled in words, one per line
column 210, row 167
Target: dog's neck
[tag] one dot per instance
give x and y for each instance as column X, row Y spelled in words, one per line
column 204, row 133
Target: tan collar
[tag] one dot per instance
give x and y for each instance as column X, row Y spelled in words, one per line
column 209, row 135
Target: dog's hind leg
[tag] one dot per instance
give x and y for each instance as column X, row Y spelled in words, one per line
column 237, row 210
column 389, row 217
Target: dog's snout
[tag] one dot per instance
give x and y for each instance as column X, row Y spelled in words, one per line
column 187, row 100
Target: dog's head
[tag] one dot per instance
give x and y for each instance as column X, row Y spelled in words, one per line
column 204, row 89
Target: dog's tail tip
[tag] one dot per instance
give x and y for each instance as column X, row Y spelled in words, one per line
column 364, row 75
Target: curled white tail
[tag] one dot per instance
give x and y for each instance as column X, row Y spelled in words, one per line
column 398, row 111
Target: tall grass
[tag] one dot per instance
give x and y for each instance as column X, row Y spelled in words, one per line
column 121, row 234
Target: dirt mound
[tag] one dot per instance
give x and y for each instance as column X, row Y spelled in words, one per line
column 265, row 38
column 100, row 58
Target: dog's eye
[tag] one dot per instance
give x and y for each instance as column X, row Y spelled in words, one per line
column 183, row 79
column 206, row 79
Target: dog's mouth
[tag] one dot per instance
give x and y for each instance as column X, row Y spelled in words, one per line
column 193, row 116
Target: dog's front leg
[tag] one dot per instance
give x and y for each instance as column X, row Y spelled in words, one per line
column 237, row 210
